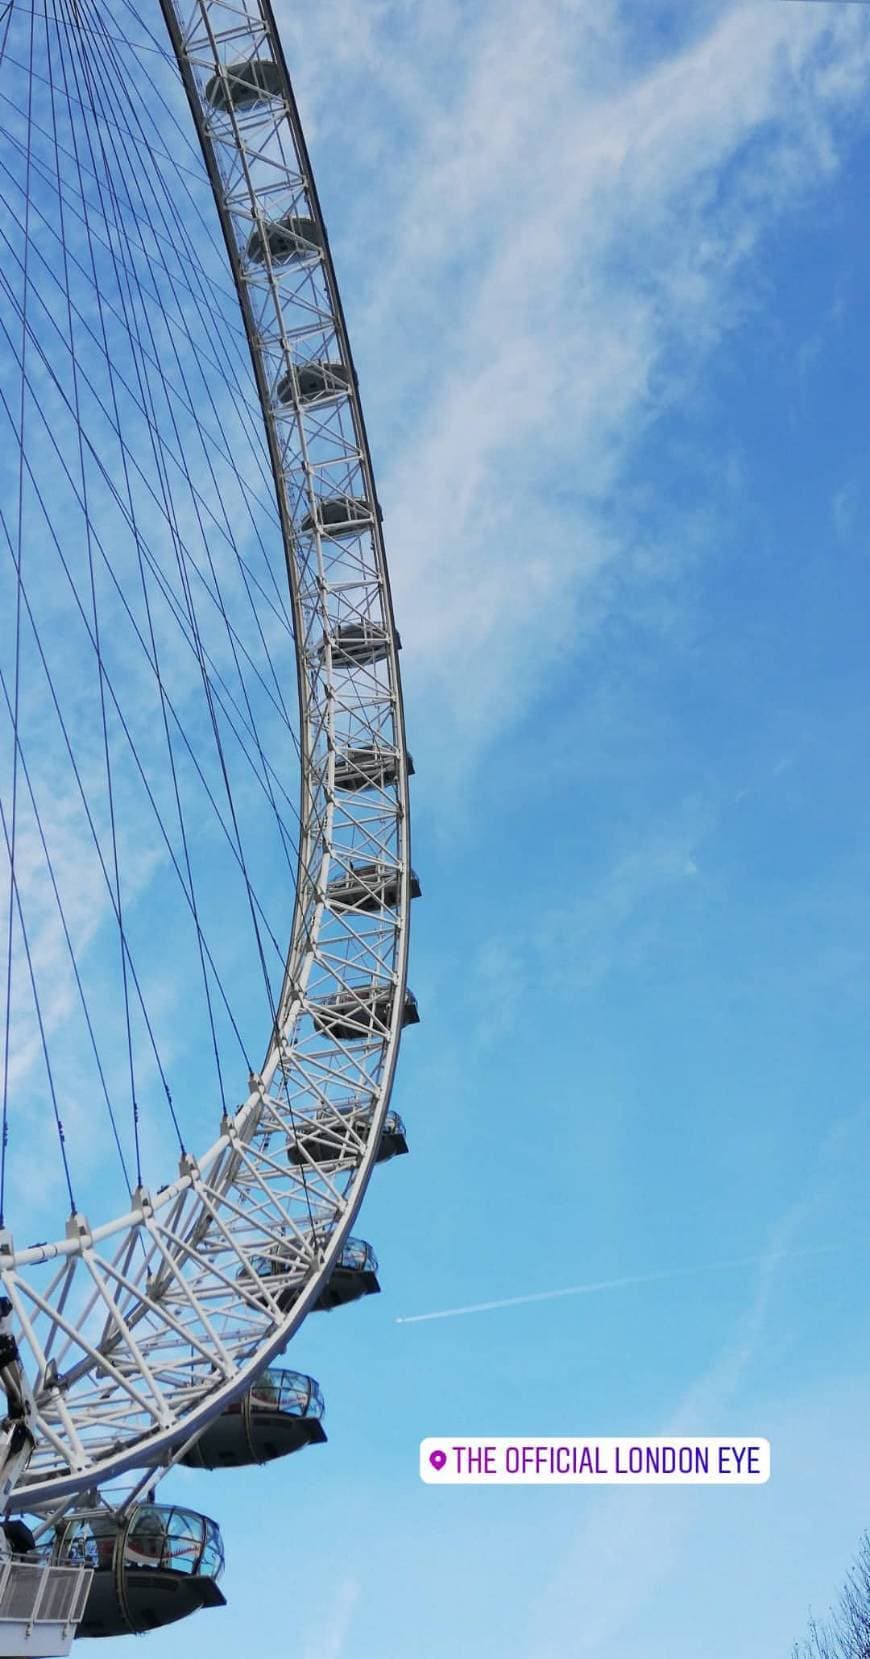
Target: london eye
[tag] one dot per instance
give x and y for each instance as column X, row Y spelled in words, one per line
column 204, row 801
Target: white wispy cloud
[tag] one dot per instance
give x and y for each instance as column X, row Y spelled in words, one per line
column 330, row 1640
column 571, row 943
column 636, row 1526
column 539, row 268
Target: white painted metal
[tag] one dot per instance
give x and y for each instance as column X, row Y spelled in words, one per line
column 136, row 1330
column 40, row 1607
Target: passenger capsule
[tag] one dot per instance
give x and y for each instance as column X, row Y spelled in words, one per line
column 280, row 1413
column 364, row 1011
column 244, row 85
column 152, row 1566
column 357, row 644
column 376, row 768
column 340, row 515
column 369, row 888
column 355, row 1276
column 293, row 237
column 394, row 1141
column 322, row 1139
column 313, row 383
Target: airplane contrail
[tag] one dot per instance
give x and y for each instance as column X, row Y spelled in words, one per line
column 618, row 1284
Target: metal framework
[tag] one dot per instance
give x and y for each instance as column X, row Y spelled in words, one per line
column 134, row 1332
column 41, row 1607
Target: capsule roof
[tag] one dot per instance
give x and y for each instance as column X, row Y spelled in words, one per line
column 369, row 888
column 340, row 515
column 322, row 1139
column 313, row 383
column 375, row 768
column 361, row 1011
column 244, row 85
column 295, row 237
column 355, row 644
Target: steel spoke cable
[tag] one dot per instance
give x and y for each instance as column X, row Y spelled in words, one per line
column 154, row 655
column 71, row 754
column 122, row 81
column 181, row 560
column 6, row 23
column 12, row 889
column 176, row 718
column 37, row 1004
column 280, row 613
column 249, row 413
column 49, row 864
column 110, row 92
column 108, row 480
column 179, row 234
column 123, row 40
column 277, row 136
column 34, row 75
column 217, row 590
column 110, row 784
column 267, row 302
column 180, row 587
column 153, row 257
column 10, row 833
column 213, row 804
column 50, row 867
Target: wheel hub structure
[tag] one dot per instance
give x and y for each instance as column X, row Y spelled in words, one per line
column 134, row 1332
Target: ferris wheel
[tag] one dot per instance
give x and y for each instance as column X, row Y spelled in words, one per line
column 205, row 782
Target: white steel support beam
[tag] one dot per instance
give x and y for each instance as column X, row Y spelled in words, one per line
column 133, row 1349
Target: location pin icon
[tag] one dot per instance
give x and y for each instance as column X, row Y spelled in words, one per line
column 437, row 1459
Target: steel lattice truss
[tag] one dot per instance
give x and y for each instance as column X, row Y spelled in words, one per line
column 135, row 1332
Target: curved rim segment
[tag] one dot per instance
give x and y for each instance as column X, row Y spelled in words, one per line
column 136, row 1332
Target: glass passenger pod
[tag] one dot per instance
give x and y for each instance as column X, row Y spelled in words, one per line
column 295, row 237
column 151, row 1567
column 313, row 383
column 321, row 1140
column 357, row 644
column 279, row 1414
column 369, row 888
column 339, row 515
column 364, row 1011
column 243, row 86
column 354, row 1276
column 375, row 768
column 277, row 1265
column 394, row 1141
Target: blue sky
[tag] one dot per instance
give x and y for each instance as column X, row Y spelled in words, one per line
column 604, row 268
